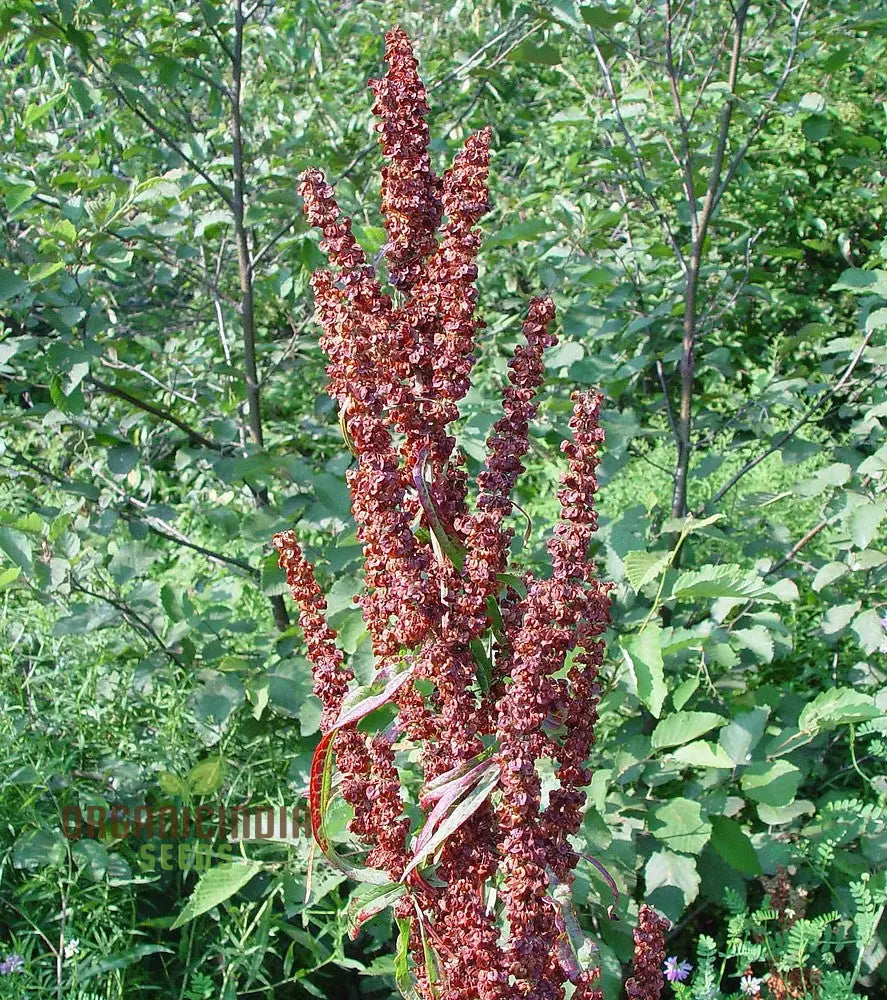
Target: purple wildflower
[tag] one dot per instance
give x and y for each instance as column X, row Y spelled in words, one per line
column 14, row 963
column 675, row 971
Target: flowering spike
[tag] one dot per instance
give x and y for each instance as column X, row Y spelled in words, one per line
column 492, row 672
column 411, row 201
column 330, row 677
column 578, row 520
column 647, row 979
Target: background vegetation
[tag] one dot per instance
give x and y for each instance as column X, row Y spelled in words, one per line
column 700, row 187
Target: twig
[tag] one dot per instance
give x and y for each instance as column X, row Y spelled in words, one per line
column 644, row 185
column 132, row 618
column 671, row 419
column 157, row 411
column 796, row 426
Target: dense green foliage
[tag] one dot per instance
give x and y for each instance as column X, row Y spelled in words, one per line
column 163, row 413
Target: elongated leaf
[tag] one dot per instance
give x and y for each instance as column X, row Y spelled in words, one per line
column 451, row 548
column 402, row 977
column 215, row 886
column 355, row 712
column 369, row 902
column 320, row 788
column 462, row 812
column 643, row 655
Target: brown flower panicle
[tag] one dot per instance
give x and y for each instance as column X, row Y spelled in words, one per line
column 491, row 674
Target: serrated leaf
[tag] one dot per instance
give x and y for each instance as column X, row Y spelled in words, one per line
column 716, row 582
column 680, row 825
column 703, row 754
column 642, row 568
column 215, row 886
column 643, row 655
column 682, row 727
column 838, row 706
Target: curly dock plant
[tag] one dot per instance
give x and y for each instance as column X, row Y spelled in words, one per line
column 492, row 676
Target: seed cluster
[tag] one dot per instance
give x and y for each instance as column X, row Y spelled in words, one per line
column 493, row 675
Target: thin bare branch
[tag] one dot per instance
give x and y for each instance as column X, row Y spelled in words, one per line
column 796, row 426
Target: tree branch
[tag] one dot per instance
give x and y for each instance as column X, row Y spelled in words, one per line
column 157, row 411
column 245, row 270
column 691, row 286
column 644, row 184
column 132, row 618
column 795, row 427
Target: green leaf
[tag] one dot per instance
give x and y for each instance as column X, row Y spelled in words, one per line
column 122, row 459
column 17, row 195
column 869, row 630
column 838, row 617
column 757, row 639
column 682, row 727
column 17, row 546
column 402, row 977
column 289, row 685
column 642, row 568
column 39, row 272
column 680, row 825
column 119, row 960
column 215, row 886
column 172, row 784
column 733, row 845
column 11, row 285
column 671, row 882
column 273, row 579
column 703, row 754
column 854, row 279
column 774, row 784
column 206, row 776
column 9, row 576
column 718, row 582
column 828, row 574
column 831, row 476
column 743, row 734
column 835, row 707
column 643, row 655
column 38, row 849
column 864, row 522
column 601, row 17
column 531, row 52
